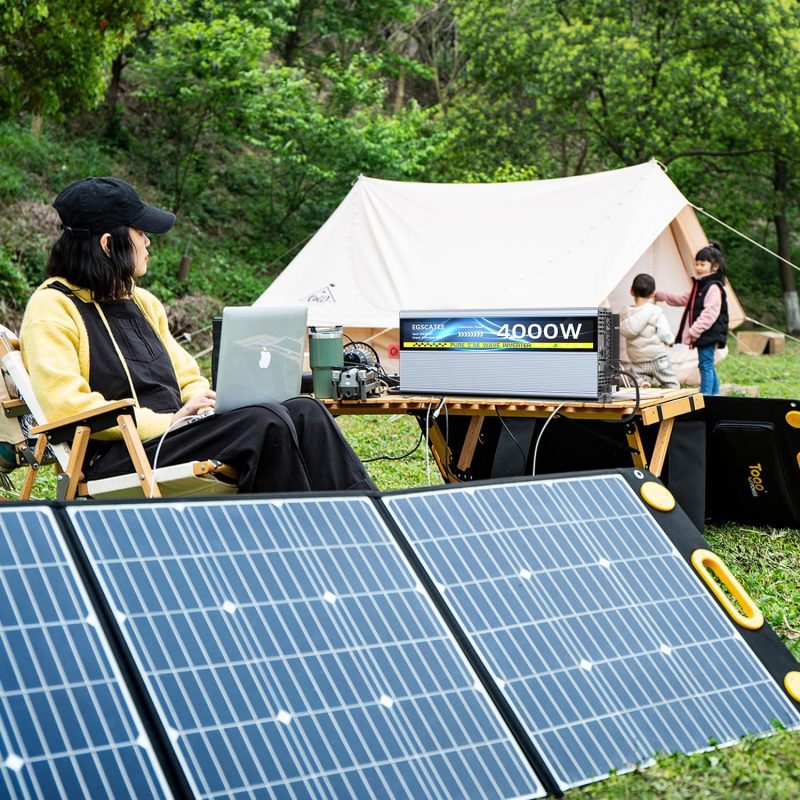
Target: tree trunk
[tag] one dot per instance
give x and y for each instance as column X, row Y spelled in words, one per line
column 36, row 125
column 112, row 95
column 400, row 91
column 183, row 268
column 788, row 281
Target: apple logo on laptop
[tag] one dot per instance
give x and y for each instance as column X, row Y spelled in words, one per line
column 266, row 357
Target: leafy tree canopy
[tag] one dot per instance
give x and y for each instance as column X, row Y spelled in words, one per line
column 55, row 55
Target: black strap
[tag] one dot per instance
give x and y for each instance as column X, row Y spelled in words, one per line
column 60, row 287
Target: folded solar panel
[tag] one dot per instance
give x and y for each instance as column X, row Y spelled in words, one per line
column 488, row 641
column 290, row 651
column 592, row 626
column 68, row 726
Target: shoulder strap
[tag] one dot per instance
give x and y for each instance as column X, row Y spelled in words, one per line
column 60, row 287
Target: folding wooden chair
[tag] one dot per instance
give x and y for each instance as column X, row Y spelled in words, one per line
column 64, row 442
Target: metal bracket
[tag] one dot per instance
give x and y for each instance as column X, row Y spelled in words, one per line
column 28, row 456
column 62, row 484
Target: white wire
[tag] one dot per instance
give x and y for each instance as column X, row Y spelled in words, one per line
column 428, row 442
column 539, row 437
column 181, row 422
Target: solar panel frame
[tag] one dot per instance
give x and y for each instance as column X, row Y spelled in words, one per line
column 471, row 608
column 69, row 726
column 284, row 524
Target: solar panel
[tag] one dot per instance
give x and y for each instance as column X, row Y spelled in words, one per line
column 68, row 728
column 291, row 653
column 597, row 632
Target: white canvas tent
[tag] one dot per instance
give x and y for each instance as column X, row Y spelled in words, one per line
column 553, row 243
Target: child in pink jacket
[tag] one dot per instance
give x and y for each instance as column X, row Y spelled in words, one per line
column 704, row 324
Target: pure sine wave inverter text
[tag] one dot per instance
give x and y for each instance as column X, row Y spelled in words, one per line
column 542, row 352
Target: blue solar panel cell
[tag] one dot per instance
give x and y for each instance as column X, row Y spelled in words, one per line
column 291, row 653
column 602, row 639
column 67, row 724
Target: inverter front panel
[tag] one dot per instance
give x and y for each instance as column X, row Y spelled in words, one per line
column 559, row 353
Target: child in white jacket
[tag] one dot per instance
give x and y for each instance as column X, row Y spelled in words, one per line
column 648, row 336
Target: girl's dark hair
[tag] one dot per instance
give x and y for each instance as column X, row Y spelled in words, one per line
column 84, row 263
column 713, row 253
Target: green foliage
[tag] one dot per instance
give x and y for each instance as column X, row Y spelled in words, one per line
column 32, row 170
column 37, row 167
column 196, row 84
column 260, row 150
column 505, row 173
column 215, row 274
column 606, row 82
column 55, row 55
column 14, row 287
column 312, row 30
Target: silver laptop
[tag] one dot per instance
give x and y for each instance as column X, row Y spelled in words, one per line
column 260, row 355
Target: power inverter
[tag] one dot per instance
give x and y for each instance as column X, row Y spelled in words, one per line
column 541, row 352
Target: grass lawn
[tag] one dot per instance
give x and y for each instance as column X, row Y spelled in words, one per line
column 766, row 561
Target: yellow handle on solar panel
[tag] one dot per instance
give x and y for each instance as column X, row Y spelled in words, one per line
column 705, row 560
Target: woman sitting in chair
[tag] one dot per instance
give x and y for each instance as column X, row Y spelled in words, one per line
column 90, row 335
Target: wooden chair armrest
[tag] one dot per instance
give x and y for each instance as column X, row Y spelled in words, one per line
column 14, row 408
column 97, row 419
column 214, row 467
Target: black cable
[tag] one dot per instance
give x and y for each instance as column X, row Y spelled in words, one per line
column 396, row 458
column 626, row 420
column 513, row 438
column 389, row 380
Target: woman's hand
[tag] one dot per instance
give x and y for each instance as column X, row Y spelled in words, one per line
column 204, row 402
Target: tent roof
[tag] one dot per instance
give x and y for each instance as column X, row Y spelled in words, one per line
column 552, row 243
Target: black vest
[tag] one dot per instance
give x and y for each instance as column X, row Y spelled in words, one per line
column 149, row 364
column 717, row 334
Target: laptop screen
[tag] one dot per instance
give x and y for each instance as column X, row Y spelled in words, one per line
column 260, row 355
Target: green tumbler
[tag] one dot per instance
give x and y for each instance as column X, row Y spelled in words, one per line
column 325, row 353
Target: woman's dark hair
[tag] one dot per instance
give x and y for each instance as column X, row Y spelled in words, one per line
column 643, row 285
column 84, row 263
column 713, row 253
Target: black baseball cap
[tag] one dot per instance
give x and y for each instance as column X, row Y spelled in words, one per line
column 98, row 205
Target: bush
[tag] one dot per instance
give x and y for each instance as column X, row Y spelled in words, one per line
column 14, row 288
column 190, row 318
column 37, row 168
column 28, row 230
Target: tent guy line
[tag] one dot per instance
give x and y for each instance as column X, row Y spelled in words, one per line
column 746, row 237
column 770, row 328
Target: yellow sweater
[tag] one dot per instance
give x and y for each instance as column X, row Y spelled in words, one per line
column 55, row 350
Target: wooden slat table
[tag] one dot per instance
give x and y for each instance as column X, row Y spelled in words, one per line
column 656, row 407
